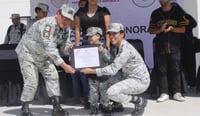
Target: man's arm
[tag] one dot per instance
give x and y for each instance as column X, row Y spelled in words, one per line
column 166, row 30
column 67, row 68
column 7, row 38
column 177, row 29
column 157, row 30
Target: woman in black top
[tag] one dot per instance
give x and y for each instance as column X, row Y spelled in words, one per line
column 91, row 15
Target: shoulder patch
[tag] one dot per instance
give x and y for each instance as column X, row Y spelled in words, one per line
column 46, row 31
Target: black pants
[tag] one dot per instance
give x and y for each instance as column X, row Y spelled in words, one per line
column 169, row 69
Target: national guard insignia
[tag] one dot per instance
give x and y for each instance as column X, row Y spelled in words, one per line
column 46, row 31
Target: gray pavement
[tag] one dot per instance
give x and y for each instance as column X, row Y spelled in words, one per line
column 191, row 107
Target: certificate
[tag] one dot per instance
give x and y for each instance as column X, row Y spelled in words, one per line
column 85, row 57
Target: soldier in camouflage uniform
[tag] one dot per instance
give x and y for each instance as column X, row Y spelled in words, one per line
column 38, row 52
column 135, row 76
column 42, row 11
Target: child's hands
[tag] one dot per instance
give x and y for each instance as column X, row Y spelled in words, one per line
column 70, row 47
column 100, row 48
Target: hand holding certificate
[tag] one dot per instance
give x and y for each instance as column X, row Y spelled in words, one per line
column 85, row 57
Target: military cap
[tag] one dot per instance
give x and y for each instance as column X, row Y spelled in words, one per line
column 94, row 30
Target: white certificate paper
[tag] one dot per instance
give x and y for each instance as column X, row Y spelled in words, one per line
column 86, row 57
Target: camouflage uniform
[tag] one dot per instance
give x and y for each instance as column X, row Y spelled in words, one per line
column 37, row 51
column 135, row 76
column 30, row 22
column 98, row 86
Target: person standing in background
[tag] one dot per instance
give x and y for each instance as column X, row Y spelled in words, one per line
column 15, row 31
column 168, row 23
column 41, row 10
column 89, row 16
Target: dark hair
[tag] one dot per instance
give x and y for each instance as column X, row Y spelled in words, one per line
column 123, row 32
column 86, row 5
column 37, row 9
column 100, row 35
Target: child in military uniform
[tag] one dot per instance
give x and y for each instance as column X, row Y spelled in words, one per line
column 97, row 90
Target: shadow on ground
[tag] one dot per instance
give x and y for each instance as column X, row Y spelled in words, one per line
column 73, row 110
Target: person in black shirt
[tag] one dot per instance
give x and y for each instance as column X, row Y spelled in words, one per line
column 92, row 15
column 168, row 23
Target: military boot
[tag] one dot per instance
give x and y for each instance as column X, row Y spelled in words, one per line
column 106, row 110
column 117, row 107
column 86, row 103
column 57, row 109
column 94, row 110
column 140, row 104
column 25, row 109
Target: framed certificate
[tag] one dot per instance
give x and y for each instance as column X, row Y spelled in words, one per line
column 85, row 57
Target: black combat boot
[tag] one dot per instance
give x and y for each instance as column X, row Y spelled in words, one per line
column 94, row 110
column 25, row 109
column 106, row 110
column 57, row 109
column 140, row 104
column 117, row 107
column 86, row 103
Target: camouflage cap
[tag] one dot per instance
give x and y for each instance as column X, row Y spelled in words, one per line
column 14, row 16
column 67, row 11
column 94, row 30
column 115, row 27
column 44, row 7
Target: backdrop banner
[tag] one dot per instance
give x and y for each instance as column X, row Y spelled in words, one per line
column 133, row 14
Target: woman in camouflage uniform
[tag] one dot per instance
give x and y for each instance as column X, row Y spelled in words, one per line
column 135, row 76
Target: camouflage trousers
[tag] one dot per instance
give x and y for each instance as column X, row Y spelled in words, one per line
column 30, row 72
column 98, row 90
column 123, row 91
